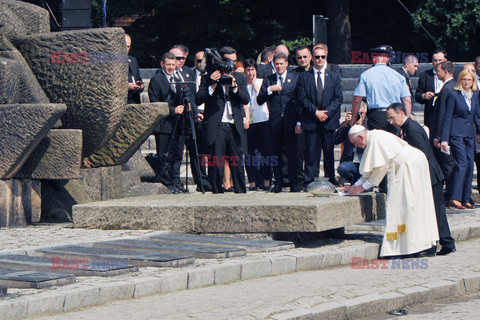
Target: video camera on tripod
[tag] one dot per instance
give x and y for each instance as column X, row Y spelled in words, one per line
column 213, row 61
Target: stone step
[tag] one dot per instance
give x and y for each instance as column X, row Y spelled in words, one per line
column 78, row 267
column 120, row 257
column 196, row 250
column 250, row 245
column 231, row 213
column 18, row 278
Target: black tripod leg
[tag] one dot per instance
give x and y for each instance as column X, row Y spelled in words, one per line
column 197, row 160
column 169, row 146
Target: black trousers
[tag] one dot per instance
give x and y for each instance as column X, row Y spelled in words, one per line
column 315, row 142
column 227, row 148
column 257, row 160
column 280, row 139
column 170, row 166
column 446, row 239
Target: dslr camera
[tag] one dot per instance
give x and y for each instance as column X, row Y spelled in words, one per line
column 213, row 61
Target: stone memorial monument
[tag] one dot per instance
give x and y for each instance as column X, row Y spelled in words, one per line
column 65, row 126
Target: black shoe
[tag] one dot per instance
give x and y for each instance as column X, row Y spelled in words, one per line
column 295, row 188
column 277, row 188
column 444, row 251
column 266, row 188
column 253, row 188
column 173, row 190
column 181, row 189
column 205, row 188
column 228, row 190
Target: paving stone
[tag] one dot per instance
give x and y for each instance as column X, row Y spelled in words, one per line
column 472, row 284
column 442, row 289
column 255, row 269
column 309, row 261
column 91, row 66
column 76, row 266
column 115, row 291
column 196, row 250
column 174, row 281
column 78, row 298
column 325, row 311
column 201, row 277
column 415, row 295
column 371, row 304
column 22, row 128
column 45, row 302
column 57, row 157
column 118, row 256
column 147, row 286
column 12, row 309
column 227, row 273
column 251, row 245
column 138, row 122
column 17, row 278
column 283, row 265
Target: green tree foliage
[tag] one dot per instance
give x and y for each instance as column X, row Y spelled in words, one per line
column 454, row 23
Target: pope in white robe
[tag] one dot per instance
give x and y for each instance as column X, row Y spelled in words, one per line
column 411, row 224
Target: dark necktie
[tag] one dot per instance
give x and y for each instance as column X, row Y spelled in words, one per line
column 281, row 81
column 172, row 81
column 319, row 89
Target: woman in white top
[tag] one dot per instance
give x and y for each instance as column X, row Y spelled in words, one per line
column 258, row 157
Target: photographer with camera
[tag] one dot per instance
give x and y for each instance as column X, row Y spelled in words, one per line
column 169, row 135
column 224, row 93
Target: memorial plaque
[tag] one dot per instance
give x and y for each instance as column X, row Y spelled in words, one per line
column 75, row 266
column 137, row 258
column 251, row 245
column 196, row 250
column 16, row 278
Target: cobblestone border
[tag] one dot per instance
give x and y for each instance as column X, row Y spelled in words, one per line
column 69, row 299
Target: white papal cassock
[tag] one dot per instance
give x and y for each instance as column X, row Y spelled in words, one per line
column 411, row 222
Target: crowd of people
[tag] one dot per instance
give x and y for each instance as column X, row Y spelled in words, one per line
column 274, row 121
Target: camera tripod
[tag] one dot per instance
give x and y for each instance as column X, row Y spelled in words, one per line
column 188, row 131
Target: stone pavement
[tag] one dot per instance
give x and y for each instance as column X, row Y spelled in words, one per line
column 277, row 285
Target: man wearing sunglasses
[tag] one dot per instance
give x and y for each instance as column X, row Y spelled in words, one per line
column 319, row 93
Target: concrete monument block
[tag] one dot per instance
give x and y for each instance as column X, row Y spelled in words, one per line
column 58, row 197
column 17, row 82
column 19, row 203
column 22, row 128
column 103, row 183
column 58, row 156
column 139, row 164
column 87, row 70
column 12, row 27
column 34, row 18
column 136, row 126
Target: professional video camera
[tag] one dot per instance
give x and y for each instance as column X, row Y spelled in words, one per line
column 213, row 61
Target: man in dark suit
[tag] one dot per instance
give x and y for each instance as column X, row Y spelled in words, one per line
column 278, row 91
column 186, row 74
column 135, row 82
column 330, row 66
column 429, row 85
column 444, row 72
column 319, row 93
column 409, row 68
column 162, row 89
column 415, row 135
column 223, row 124
column 265, row 67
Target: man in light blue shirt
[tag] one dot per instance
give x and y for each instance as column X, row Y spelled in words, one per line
column 381, row 86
